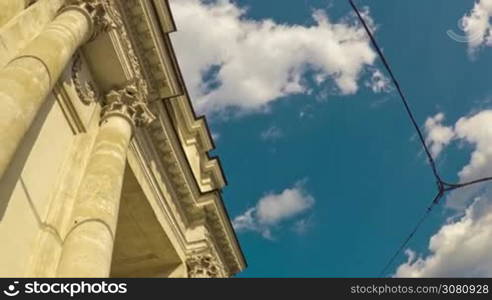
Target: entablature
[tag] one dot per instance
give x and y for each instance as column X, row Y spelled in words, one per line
column 152, row 47
column 198, row 208
column 149, row 23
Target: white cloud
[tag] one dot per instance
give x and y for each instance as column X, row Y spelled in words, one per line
column 462, row 247
column 274, row 209
column 215, row 136
column 379, row 83
column 476, row 25
column 438, row 136
column 246, row 221
column 272, row 133
column 231, row 61
column 459, row 249
column 477, row 131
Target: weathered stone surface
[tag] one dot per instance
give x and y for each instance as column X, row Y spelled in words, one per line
column 25, row 26
column 10, row 8
column 88, row 245
column 27, row 80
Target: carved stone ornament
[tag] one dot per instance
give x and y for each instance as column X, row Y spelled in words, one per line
column 96, row 11
column 127, row 103
column 203, row 266
column 85, row 89
column 119, row 25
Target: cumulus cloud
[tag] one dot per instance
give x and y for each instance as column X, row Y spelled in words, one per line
column 462, row 246
column 274, row 209
column 476, row 131
column 230, row 61
column 476, row 25
column 459, row 249
column 438, row 136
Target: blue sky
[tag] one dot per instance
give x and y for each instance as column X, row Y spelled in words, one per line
column 326, row 176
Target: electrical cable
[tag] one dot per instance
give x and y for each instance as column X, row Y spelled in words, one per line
column 442, row 186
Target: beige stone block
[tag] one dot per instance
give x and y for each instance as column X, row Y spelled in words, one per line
column 18, row 229
column 25, row 26
column 10, row 8
column 26, row 81
column 47, row 156
column 45, row 258
column 25, row 191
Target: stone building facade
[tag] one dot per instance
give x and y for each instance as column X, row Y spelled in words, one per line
column 104, row 167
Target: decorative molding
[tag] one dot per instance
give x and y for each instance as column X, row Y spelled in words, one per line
column 204, row 266
column 181, row 203
column 193, row 132
column 140, row 158
column 151, row 49
column 128, row 103
column 220, row 235
column 198, row 208
column 119, row 25
column 96, row 11
column 85, row 89
column 170, row 162
column 105, row 17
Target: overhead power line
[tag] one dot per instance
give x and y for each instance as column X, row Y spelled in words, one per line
column 442, row 186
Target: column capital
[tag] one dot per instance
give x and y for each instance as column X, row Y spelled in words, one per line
column 96, row 11
column 204, row 266
column 129, row 103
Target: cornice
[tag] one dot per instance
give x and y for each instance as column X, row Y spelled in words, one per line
column 217, row 220
column 142, row 163
column 199, row 208
column 165, row 16
column 194, row 131
column 148, row 24
column 150, row 47
column 167, row 148
column 184, row 213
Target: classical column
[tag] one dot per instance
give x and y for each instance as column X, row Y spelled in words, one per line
column 11, row 8
column 28, row 79
column 88, row 246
